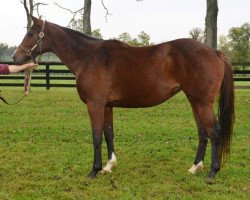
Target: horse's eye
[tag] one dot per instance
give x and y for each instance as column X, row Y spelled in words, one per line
column 30, row 34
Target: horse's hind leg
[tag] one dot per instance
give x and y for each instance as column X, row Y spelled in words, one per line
column 109, row 137
column 210, row 124
column 203, row 139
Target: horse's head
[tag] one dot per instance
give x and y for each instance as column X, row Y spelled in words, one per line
column 34, row 42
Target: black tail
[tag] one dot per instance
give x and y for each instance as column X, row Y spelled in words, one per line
column 226, row 107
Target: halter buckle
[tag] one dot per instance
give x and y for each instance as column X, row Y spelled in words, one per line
column 41, row 34
column 40, row 42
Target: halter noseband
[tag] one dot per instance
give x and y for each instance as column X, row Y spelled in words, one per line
column 38, row 43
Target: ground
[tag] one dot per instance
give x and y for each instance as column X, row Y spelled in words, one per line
column 46, row 151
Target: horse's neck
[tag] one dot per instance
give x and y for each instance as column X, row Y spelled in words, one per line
column 71, row 49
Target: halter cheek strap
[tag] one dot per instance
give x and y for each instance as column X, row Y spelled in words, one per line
column 38, row 43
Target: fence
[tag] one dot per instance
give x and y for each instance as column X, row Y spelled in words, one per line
column 48, row 75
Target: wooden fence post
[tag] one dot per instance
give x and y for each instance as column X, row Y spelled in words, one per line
column 47, row 77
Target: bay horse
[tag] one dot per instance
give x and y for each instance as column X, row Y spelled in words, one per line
column 110, row 73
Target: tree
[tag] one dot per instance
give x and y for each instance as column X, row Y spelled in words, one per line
column 142, row 39
column 236, row 44
column 3, row 48
column 96, row 33
column 83, row 24
column 197, row 34
column 6, row 52
column 225, row 46
column 86, row 17
column 211, row 23
column 239, row 41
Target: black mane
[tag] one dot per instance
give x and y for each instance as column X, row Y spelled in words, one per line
column 78, row 33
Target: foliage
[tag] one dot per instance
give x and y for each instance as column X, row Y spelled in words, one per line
column 239, row 40
column 96, row 33
column 3, row 48
column 237, row 43
column 6, row 52
column 142, row 39
column 77, row 25
column 197, row 34
column 46, row 151
column 225, row 46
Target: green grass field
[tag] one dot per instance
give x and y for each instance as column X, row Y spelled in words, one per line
column 46, row 151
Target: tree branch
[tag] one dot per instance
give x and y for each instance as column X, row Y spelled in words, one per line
column 72, row 12
column 24, row 2
column 107, row 11
column 36, row 6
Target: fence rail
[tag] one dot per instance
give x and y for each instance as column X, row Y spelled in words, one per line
column 47, row 75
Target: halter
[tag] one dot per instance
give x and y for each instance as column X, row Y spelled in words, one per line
column 38, row 43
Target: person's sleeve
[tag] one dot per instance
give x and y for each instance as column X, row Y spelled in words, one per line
column 4, row 69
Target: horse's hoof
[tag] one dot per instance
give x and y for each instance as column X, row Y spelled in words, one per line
column 92, row 174
column 105, row 171
column 110, row 164
column 210, row 180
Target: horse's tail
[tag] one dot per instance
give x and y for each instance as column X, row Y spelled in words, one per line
column 226, row 108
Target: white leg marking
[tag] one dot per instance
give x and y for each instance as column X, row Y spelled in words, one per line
column 196, row 168
column 110, row 164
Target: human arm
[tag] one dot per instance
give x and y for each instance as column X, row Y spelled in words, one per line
column 18, row 68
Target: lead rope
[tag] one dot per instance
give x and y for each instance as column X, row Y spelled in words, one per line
column 27, row 81
column 27, row 84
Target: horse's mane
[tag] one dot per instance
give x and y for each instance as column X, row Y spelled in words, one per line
column 78, row 33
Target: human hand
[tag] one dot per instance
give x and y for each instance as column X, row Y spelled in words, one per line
column 31, row 65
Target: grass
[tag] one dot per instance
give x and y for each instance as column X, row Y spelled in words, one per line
column 46, row 151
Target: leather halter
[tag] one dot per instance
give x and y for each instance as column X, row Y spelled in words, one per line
column 38, row 43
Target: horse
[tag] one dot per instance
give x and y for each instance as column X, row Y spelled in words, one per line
column 110, row 73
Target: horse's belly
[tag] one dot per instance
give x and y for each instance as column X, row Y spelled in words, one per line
column 145, row 98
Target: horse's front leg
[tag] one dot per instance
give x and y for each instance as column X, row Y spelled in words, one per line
column 109, row 137
column 96, row 114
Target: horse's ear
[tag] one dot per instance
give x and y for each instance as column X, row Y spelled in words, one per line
column 34, row 19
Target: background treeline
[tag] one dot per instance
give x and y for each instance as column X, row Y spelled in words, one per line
column 236, row 44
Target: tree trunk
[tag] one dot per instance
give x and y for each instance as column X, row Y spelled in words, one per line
column 211, row 23
column 86, row 17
